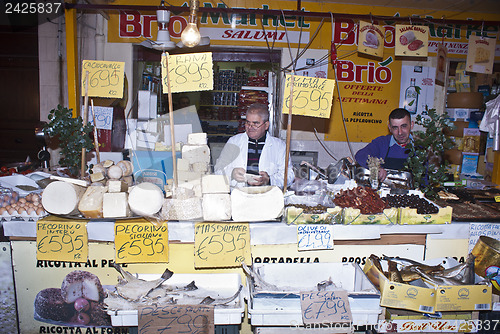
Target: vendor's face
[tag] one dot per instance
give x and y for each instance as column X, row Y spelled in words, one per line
column 401, row 129
column 255, row 127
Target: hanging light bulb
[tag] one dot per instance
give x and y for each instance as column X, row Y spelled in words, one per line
column 190, row 36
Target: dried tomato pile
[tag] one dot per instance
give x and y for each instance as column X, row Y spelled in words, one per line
column 363, row 198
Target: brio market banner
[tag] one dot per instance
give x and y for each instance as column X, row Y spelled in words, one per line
column 369, row 87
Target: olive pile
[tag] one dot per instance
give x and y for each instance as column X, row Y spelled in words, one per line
column 423, row 206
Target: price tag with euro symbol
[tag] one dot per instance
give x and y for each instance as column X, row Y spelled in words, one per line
column 61, row 241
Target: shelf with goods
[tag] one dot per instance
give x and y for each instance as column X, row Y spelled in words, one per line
column 223, row 109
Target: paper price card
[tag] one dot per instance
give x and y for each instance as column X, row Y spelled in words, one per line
column 221, row 245
column 310, row 237
column 176, row 319
column 105, row 78
column 480, row 54
column 190, row 72
column 412, row 41
column 325, row 307
column 141, row 242
column 311, row 96
column 61, row 241
column 371, row 39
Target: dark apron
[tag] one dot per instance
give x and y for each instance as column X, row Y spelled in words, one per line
column 393, row 163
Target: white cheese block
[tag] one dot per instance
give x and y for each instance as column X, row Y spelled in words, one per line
column 215, row 184
column 91, row 202
column 117, row 186
column 115, row 205
column 184, row 176
column 194, row 185
column 145, row 199
column 182, row 209
column 197, row 138
column 256, row 203
column 62, row 198
column 182, row 164
column 196, row 153
column 216, row 207
column 201, row 167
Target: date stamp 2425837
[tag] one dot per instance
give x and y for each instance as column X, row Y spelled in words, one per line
column 32, row 7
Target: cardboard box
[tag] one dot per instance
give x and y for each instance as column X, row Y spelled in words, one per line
column 471, row 141
column 410, row 216
column 469, row 163
column 352, row 216
column 420, row 297
column 296, row 215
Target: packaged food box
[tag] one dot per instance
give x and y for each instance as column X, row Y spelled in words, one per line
column 297, row 215
column 352, row 216
column 421, row 297
column 282, row 308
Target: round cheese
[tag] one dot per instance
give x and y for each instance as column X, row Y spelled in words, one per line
column 145, row 199
column 62, row 198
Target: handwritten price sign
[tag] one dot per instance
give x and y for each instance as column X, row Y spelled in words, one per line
column 325, row 307
column 175, row 319
column 105, row 78
column 315, row 236
column 311, row 96
column 141, row 241
column 221, row 244
column 189, row 72
column 61, row 241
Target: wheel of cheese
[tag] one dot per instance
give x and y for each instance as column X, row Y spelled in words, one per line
column 49, row 304
column 470, row 100
column 62, row 198
column 145, row 199
column 453, row 156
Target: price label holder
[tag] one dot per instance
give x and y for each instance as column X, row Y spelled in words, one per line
column 314, row 237
column 497, row 199
column 221, row 245
column 311, row 96
column 105, row 78
column 176, row 319
column 325, row 307
column 190, row 72
column 139, row 241
column 62, row 241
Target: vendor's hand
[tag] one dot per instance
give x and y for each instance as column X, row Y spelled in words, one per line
column 382, row 174
column 238, row 174
column 260, row 181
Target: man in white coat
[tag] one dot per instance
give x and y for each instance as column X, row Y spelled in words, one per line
column 255, row 157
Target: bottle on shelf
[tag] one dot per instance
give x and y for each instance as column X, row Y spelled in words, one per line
column 411, row 97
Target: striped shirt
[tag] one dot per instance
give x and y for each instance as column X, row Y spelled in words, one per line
column 255, row 147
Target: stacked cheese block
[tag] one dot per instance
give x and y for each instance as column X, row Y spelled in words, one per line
column 184, row 202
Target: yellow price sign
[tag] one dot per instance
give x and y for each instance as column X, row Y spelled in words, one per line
column 141, row 241
column 105, row 78
column 311, row 96
column 61, row 241
column 221, row 244
column 497, row 198
column 190, row 72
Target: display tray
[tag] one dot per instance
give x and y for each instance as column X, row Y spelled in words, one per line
column 223, row 285
column 282, row 308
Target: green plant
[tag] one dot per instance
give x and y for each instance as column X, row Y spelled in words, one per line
column 72, row 135
column 425, row 159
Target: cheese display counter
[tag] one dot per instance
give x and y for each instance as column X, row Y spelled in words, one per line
column 271, row 243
